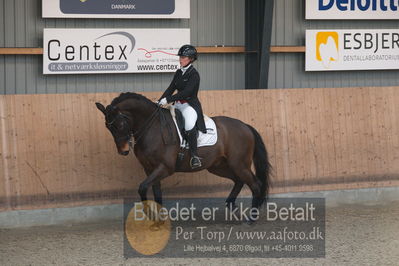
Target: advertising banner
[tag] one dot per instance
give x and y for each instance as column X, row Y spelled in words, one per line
column 352, row 9
column 83, row 51
column 352, row 49
column 116, row 8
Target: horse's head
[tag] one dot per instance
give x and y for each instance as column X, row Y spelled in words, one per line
column 119, row 126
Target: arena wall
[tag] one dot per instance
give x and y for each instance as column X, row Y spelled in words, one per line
column 55, row 150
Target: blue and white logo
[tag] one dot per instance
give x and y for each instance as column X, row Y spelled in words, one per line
column 352, row 9
column 363, row 5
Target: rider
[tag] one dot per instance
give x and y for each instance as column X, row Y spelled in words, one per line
column 186, row 81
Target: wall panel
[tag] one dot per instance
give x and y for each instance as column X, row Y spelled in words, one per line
column 56, row 150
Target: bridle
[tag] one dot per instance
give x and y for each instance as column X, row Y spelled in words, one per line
column 140, row 132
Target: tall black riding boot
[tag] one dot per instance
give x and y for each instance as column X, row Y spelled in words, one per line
column 195, row 161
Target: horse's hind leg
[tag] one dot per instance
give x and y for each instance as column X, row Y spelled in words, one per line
column 255, row 187
column 246, row 176
column 225, row 171
column 231, row 199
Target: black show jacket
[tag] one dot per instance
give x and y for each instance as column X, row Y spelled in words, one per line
column 187, row 87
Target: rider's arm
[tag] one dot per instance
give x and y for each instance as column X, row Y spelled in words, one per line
column 171, row 89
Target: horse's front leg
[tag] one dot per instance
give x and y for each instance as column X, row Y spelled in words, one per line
column 154, row 178
column 156, row 189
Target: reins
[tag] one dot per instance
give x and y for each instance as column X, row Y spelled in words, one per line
column 140, row 133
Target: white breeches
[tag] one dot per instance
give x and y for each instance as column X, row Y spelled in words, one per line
column 189, row 114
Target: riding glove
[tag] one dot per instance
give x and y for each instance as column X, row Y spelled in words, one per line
column 163, row 101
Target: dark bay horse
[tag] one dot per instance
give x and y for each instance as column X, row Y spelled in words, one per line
column 239, row 145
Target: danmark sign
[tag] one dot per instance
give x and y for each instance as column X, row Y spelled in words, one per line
column 116, row 8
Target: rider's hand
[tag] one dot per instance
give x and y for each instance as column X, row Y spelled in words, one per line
column 163, row 101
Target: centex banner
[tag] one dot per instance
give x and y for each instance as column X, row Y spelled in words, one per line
column 83, row 51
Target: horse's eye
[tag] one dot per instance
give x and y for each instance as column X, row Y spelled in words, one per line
column 122, row 125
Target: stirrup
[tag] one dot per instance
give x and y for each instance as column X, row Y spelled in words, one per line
column 195, row 162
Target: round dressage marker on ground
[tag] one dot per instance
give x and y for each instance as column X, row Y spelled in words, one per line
column 145, row 230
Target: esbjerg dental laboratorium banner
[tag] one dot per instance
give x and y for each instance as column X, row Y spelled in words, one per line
column 116, row 8
column 91, row 51
column 352, row 9
column 352, row 49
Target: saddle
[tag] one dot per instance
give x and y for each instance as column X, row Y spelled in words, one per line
column 208, row 139
column 204, row 139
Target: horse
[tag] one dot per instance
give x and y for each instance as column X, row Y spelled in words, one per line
column 133, row 116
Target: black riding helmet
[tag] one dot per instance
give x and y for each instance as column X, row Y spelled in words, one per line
column 189, row 51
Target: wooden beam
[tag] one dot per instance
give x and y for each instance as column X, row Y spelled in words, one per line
column 201, row 50
column 241, row 49
column 287, row 49
column 16, row 51
column 220, row 49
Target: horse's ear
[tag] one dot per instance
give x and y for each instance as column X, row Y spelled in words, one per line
column 100, row 107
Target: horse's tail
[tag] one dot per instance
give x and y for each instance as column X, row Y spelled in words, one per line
column 261, row 161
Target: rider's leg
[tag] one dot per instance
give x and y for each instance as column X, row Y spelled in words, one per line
column 190, row 117
column 195, row 161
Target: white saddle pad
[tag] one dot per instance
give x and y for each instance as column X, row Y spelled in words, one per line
column 208, row 139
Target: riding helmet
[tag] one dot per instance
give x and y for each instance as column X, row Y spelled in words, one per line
column 188, row 50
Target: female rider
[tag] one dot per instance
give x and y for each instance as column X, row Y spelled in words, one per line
column 186, row 81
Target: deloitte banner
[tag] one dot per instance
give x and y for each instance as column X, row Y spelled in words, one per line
column 352, row 9
column 352, row 49
column 116, row 8
column 83, row 51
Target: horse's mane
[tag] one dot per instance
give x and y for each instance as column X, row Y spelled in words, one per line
column 130, row 95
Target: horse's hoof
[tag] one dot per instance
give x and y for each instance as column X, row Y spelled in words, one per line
column 249, row 222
